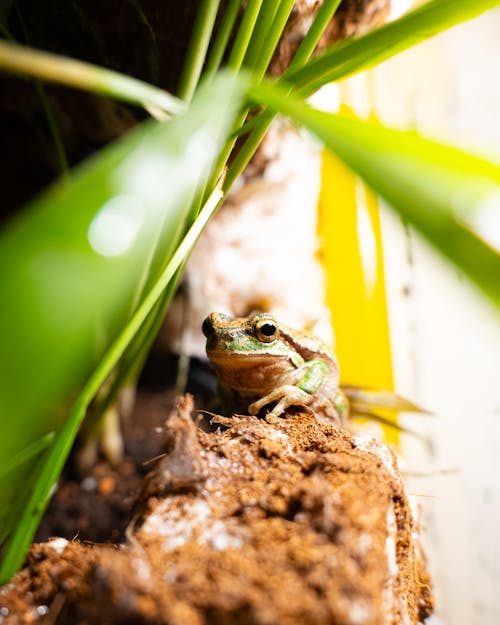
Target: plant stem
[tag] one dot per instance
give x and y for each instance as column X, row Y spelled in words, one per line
column 236, row 57
column 248, row 149
column 271, row 42
column 72, row 73
column 308, row 45
column 220, row 43
column 264, row 23
column 197, row 49
column 273, row 37
column 245, row 31
column 262, row 122
column 131, row 363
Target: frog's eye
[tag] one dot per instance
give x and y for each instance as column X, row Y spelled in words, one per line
column 266, row 329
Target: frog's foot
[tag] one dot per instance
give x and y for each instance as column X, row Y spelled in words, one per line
column 286, row 396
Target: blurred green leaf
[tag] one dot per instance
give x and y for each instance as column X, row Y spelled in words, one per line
column 355, row 55
column 29, row 452
column 80, row 75
column 451, row 197
column 23, row 514
column 75, row 264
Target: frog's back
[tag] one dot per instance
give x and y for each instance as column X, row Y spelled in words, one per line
column 308, row 345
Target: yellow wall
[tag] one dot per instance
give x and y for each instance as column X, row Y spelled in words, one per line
column 351, row 250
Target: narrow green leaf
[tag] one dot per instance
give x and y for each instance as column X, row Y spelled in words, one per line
column 272, row 38
column 219, row 45
column 29, row 452
column 259, row 34
column 244, row 34
column 72, row 73
column 197, row 49
column 73, row 265
column 354, row 55
column 452, row 197
column 325, row 14
column 261, row 122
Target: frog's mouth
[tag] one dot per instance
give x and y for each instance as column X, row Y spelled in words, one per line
column 242, row 361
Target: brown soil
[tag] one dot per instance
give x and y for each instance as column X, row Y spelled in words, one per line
column 288, row 521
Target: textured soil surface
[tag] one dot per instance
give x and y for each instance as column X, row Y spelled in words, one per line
column 288, row 521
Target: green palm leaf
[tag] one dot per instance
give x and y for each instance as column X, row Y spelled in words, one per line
column 73, row 296
column 451, row 197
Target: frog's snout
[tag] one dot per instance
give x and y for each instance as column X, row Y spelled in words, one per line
column 213, row 321
column 207, row 327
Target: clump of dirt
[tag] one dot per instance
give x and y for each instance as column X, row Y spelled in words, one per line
column 94, row 503
column 262, row 521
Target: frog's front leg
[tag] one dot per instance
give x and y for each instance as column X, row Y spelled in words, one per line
column 308, row 379
column 286, row 396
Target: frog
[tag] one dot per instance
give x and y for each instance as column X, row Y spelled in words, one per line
column 260, row 363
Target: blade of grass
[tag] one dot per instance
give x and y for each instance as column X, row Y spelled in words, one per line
column 236, row 57
column 197, row 49
column 132, row 362
column 354, row 55
column 219, row 45
column 72, row 73
column 447, row 194
column 25, row 530
column 133, row 359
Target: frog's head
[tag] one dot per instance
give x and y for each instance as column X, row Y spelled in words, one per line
column 243, row 341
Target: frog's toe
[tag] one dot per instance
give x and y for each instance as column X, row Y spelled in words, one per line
column 286, row 396
column 254, row 408
column 295, row 398
column 257, row 406
column 279, row 409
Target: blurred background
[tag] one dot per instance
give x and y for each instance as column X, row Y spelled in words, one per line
column 445, row 337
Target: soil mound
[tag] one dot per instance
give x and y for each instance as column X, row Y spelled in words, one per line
column 285, row 521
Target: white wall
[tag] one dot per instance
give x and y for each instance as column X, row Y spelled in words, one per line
column 446, row 337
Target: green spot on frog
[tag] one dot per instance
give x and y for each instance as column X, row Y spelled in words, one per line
column 314, row 377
